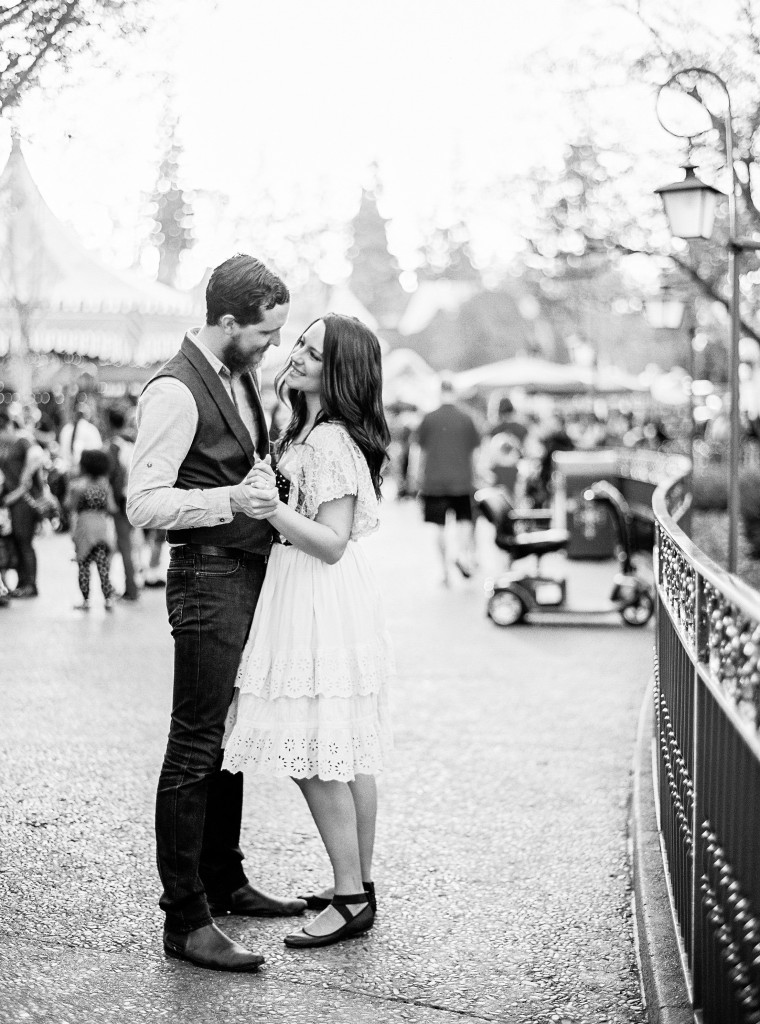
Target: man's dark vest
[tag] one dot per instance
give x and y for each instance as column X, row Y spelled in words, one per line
column 222, row 451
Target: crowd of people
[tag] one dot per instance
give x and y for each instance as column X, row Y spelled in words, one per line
column 72, row 481
column 443, row 455
column 440, row 457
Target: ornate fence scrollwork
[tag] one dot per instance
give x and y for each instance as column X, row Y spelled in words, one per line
column 707, row 702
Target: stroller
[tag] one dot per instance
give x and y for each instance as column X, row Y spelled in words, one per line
column 515, row 596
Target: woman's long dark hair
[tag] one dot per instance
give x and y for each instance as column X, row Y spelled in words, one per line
column 352, row 391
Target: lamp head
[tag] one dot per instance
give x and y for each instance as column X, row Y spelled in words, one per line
column 689, row 205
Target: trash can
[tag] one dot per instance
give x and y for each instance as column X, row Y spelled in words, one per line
column 590, row 524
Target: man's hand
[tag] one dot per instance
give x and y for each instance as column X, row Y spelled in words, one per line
column 256, row 494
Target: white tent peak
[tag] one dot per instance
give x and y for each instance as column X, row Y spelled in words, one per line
column 44, row 264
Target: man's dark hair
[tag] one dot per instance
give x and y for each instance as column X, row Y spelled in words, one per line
column 94, row 462
column 116, row 419
column 243, row 287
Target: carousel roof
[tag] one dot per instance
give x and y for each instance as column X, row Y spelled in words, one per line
column 44, row 264
column 58, row 297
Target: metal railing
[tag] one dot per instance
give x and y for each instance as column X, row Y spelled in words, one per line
column 707, row 708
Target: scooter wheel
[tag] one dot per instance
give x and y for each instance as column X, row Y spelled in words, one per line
column 640, row 612
column 505, row 608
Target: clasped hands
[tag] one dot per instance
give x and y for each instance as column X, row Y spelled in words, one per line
column 256, row 494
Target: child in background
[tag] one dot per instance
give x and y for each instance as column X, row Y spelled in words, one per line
column 92, row 505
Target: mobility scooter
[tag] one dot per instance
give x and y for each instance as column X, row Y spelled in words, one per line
column 515, row 596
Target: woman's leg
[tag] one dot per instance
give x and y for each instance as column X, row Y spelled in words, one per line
column 332, row 806
column 364, row 793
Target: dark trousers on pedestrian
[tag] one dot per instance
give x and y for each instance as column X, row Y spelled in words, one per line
column 210, row 600
column 24, row 524
column 124, row 547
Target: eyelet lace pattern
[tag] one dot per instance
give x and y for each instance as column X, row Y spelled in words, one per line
column 330, row 465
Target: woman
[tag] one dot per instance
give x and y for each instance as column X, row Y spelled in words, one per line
column 311, row 689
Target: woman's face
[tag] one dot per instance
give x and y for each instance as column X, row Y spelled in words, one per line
column 305, row 373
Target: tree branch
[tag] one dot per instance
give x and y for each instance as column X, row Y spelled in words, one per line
column 691, row 272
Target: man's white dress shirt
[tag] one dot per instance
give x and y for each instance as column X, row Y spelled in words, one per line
column 167, row 418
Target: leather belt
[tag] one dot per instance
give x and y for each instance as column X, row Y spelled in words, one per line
column 213, row 549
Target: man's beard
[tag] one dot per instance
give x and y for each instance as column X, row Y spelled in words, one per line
column 236, row 362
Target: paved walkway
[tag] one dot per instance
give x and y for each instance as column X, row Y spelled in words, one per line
column 502, row 868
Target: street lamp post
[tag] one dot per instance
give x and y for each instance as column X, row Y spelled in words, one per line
column 690, row 207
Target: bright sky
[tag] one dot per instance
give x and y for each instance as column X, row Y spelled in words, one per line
column 283, row 108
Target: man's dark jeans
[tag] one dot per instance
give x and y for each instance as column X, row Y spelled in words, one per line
column 211, row 601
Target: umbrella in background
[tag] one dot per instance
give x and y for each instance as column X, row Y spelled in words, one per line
column 542, row 376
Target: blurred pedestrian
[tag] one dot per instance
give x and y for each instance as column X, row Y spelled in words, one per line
column 507, row 421
column 555, row 438
column 502, row 462
column 152, row 558
column 76, row 435
column 80, row 434
column 21, row 460
column 447, row 439
column 120, row 449
column 7, row 555
column 201, row 428
column 92, row 506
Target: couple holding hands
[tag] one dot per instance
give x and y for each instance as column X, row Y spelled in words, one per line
column 281, row 656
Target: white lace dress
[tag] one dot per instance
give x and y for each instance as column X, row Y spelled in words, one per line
column 311, row 691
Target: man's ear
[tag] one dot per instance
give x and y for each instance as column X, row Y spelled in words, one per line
column 226, row 322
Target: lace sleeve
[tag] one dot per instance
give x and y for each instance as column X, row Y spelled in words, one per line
column 331, row 467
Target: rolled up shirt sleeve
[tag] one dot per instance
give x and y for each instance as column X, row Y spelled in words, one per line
column 167, row 418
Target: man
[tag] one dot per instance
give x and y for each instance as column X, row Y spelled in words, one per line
column 447, row 439
column 120, row 453
column 201, row 428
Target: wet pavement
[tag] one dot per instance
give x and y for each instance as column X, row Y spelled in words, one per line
column 502, row 854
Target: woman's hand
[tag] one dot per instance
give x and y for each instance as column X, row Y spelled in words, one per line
column 256, row 494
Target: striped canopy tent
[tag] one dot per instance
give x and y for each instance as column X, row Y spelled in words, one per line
column 57, row 298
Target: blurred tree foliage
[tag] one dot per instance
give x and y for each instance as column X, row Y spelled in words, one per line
column 171, row 209
column 35, row 34
column 584, row 218
column 374, row 269
column 575, row 222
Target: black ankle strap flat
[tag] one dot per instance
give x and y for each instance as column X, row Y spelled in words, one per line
column 356, row 924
